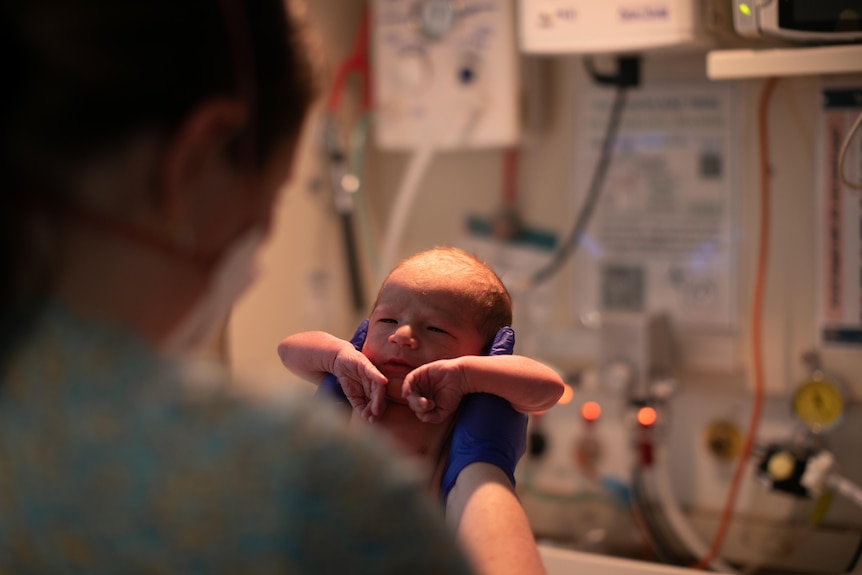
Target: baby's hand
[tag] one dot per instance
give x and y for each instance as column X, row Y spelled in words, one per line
column 434, row 390
column 363, row 384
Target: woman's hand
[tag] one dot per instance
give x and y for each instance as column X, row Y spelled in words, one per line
column 488, row 430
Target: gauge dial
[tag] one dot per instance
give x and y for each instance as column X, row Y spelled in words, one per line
column 819, row 404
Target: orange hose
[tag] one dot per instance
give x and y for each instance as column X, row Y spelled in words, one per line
column 756, row 327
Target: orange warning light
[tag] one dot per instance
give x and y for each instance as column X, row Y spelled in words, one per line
column 591, row 411
column 647, row 416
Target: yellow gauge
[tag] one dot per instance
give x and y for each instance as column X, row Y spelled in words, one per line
column 819, row 403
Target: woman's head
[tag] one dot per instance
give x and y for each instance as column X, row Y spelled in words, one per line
column 85, row 75
column 86, row 79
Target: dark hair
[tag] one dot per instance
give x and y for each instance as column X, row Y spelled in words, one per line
column 82, row 76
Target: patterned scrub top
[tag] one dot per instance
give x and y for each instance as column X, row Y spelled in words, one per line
column 114, row 459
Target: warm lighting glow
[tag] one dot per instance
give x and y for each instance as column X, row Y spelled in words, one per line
column 568, row 395
column 745, row 9
column 350, row 183
column 591, row 411
column 646, row 416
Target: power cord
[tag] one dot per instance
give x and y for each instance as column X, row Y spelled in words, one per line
column 845, row 149
column 627, row 76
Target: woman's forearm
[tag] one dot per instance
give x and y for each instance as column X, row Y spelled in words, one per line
column 491, row 524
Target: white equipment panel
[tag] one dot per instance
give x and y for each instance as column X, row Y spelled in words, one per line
column 612, row 26
column 445, row 73
column 567, row 562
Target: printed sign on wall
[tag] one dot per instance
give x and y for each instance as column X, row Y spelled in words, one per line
column 840, row 220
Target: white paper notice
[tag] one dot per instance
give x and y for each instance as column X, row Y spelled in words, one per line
column 662, row 236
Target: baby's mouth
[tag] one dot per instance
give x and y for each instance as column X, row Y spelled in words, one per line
column 395, row 371
column 396, row 367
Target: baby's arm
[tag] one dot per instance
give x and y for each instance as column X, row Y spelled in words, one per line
column 313, row 354
column 434, row 390
column 527, row 384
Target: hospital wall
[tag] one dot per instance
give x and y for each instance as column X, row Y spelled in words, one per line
column 304, row 282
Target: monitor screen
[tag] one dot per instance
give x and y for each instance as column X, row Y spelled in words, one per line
column 820, row 15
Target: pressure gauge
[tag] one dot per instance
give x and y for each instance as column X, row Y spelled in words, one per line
column 436, row 17
column 819, row 403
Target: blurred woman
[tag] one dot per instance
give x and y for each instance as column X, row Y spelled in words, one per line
column 142, row 146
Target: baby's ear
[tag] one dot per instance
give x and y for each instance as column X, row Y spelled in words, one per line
column 504, row 342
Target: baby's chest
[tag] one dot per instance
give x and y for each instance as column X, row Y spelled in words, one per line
column 421, row 440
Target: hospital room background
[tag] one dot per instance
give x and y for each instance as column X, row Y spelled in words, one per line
column 670, row 191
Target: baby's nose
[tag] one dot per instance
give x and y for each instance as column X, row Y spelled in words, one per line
column 404, row 336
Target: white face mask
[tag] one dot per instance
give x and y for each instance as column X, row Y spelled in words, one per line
column 234, row 273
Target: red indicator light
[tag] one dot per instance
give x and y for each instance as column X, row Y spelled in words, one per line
column 591, row 411
column 647, row 416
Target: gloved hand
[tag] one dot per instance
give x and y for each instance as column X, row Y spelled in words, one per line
column 488, row 429
column 329, row 387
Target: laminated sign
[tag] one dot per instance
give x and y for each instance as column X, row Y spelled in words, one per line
column 839, row 261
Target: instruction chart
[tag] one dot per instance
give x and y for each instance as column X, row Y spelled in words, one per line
column 662, row 239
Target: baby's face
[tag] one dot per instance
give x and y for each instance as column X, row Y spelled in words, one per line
column 416, row 323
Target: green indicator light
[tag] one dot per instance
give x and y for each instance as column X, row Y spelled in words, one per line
column 745, row 9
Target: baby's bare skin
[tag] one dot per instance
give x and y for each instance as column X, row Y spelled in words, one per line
column 425, row 442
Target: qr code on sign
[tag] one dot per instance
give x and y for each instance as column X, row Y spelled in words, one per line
column 623, row 288
column 710, row 167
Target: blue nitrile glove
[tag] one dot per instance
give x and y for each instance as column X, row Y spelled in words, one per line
column 329, row 387
column 504, row 342
column 488, row 429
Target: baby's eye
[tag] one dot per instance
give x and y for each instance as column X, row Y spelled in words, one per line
column 387, row 320
column 436, row 329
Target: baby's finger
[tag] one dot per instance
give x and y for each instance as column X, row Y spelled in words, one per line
column 412, row 385
column 365, row 413
column 407, row 386
column 377, row 405
column 359, row 404
column 419, row 404
column 431, row 416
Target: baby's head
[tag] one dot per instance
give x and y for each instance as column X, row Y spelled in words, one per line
column 438, row 304
column 447, row 273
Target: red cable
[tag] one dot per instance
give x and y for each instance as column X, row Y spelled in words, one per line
column 356, row 61
column 510, row 177
column 756, row 327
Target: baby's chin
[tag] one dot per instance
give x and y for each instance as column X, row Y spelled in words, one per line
column 393, row 390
